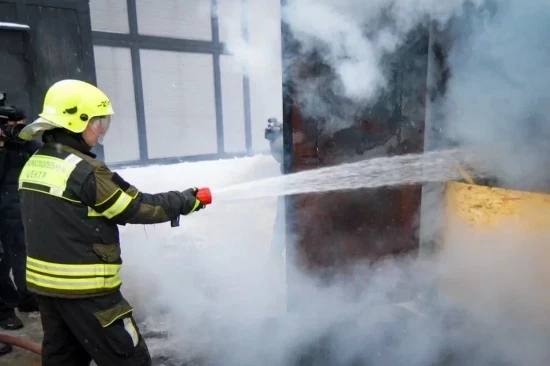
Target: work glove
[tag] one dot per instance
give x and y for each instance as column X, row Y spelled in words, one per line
column 192, row 203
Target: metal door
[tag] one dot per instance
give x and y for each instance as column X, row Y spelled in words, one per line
column 15, row 66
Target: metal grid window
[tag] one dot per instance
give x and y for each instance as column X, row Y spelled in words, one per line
column 190, row 100
column 180, row 110
column 233, row 105
column 114, row 75
column 184, row 19
column 109, row 16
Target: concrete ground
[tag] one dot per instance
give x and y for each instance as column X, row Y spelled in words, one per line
column 33, row 332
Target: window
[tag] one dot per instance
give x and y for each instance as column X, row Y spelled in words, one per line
column 232, row 105
column 266, row 93
column 114, row 77
column 189, row 19
column 230, row 17
column 180, row 110
column 109, row 16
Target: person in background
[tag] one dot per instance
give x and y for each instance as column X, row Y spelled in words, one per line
column 14, row 153
column 274, row 134
column 4, row 347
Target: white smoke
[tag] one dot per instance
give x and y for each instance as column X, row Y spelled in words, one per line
column 227, row 297
column 498, row 94
column 355, row 35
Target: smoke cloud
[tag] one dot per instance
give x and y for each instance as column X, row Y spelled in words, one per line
column 224, row 295
column 354, row 36
column 498, row 93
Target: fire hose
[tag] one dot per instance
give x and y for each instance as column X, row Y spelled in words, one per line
column 21, row 343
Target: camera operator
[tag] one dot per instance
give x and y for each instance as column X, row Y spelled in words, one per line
column 14, row 153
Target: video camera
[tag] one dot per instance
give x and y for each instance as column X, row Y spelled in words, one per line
column 10, row 114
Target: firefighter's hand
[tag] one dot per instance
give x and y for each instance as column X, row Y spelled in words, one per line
column 193, row 204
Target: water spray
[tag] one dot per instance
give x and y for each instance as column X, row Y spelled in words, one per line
column 436, row 166
column 388, row 171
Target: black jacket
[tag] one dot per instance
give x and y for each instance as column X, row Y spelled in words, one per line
column 13, row 157
column 71, row 205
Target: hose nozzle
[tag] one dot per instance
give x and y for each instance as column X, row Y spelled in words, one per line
column 204, row 195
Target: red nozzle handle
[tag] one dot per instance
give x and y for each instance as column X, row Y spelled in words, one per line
column 204, row 195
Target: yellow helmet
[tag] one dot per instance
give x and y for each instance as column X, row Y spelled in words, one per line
column 69, row 104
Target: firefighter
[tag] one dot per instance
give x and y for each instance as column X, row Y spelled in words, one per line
column 71, row 205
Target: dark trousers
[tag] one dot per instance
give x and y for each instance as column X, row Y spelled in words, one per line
column 12, row 235
column 77, row 331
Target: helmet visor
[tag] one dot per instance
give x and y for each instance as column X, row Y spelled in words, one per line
column 101, row 126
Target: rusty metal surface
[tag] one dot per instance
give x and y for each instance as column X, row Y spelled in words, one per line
column 331, row 230
column 340, row 227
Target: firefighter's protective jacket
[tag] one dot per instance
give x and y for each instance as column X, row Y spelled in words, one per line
column 71, row 205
